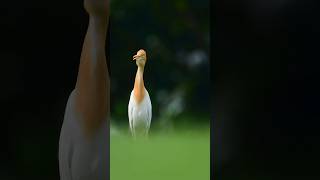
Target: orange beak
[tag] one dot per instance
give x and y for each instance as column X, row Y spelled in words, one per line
column 135, row 57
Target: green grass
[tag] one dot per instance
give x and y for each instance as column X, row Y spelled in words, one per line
column 181, row 155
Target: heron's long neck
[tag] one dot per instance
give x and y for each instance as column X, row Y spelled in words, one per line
column 139, row 85
column 93, row 79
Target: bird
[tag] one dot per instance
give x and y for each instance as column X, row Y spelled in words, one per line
column 139, row 107
column 84, row 136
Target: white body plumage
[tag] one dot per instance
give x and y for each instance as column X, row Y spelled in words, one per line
column 140, row 114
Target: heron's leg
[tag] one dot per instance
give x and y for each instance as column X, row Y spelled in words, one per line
column 147, row 134
column 134, row 134
column 93, row 82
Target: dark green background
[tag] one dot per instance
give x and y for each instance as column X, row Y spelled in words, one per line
column 175, row 35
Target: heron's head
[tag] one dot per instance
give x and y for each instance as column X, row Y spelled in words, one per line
column 140, row 58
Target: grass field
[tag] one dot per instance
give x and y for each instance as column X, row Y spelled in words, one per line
column 181, row 155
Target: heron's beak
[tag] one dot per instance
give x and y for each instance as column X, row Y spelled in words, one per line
column 135, row 57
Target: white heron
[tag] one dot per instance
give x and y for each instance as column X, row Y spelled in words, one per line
column 84, row 136
column 139, row 108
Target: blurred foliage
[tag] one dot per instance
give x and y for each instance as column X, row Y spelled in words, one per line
column 175, row 35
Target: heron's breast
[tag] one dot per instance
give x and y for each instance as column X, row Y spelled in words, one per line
column 90, row 156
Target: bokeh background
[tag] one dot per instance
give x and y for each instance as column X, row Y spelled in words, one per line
column 175, row 35
column 40, row 51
